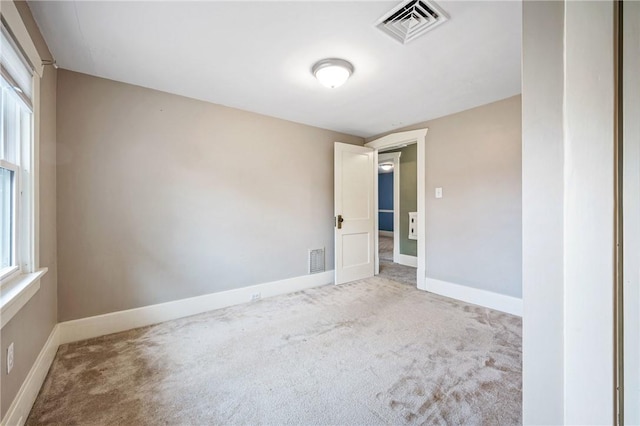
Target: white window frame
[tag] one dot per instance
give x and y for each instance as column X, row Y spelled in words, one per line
column 23, row 194
column 22, row 282
column 11, row 271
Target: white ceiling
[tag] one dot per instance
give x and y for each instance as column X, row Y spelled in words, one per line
column 257, row 56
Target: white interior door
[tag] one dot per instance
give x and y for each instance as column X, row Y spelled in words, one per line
column 355, row 169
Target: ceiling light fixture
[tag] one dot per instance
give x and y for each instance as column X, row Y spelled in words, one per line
column 385, row 167
column 332, row 72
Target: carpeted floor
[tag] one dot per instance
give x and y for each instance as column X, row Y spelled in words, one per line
column 385, row 248
column 365, row 353
column 390, row 270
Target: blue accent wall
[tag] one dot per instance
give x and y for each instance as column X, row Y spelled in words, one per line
column 385, row 191
column 385, row 201
column 385, row 221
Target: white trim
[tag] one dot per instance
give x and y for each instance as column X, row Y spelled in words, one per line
column 34, row 185
column 10, row 166
column 405, row 138
column 8, row 274
column 385, row 157
column 26, row 396
column 422, row 213
column 376, row 218
column 20, row 32
column 396, row 204
column 100, row 325
column 15, row 293
column 406, row 260
column 385, row 233
column 499, row 302
column 399, row 138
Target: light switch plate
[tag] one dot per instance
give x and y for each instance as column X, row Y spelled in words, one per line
column 438, row 192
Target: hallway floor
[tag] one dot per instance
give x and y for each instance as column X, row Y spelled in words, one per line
column 390, row 270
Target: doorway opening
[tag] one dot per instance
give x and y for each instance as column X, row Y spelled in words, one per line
column 397, row 214
column 389, row 149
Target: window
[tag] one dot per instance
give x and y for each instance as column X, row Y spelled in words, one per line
column 20, row 72
column 16, row 145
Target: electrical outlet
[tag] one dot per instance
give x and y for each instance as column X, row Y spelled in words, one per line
column 255, row 296
column 10, row 358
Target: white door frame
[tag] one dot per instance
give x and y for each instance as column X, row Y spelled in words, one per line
column 631, row 214
column 393, row 157
column 397, row 140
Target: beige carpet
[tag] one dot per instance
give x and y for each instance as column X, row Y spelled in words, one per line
column 365, row 353
column 393, row 271
column 385, row 248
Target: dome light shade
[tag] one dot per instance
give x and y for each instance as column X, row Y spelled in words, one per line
column 332, row 72
column 386, row 166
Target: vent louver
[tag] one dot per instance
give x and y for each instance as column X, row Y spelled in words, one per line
column 411, row 19
column 316, row 261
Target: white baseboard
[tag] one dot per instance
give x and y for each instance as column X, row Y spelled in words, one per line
column 385, row 233
column 406, row 260
column 100, row 325
column 26, row 396
column 488, row 299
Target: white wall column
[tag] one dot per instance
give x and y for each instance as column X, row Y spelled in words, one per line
column 631, row 184
column 568, row 212
column 543, row 211
column 589, row 212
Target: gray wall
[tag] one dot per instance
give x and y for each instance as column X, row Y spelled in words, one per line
column 30, row 328
column 474, row 233
column 408, row 196
column 161, row 197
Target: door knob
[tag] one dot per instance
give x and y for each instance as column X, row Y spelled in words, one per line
column 340, row 220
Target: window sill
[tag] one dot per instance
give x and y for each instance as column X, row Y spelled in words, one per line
column 15, row 293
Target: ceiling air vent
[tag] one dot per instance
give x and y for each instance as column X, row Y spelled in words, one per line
column 411, row 19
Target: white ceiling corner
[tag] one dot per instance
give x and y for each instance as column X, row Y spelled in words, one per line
column 257, row 56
